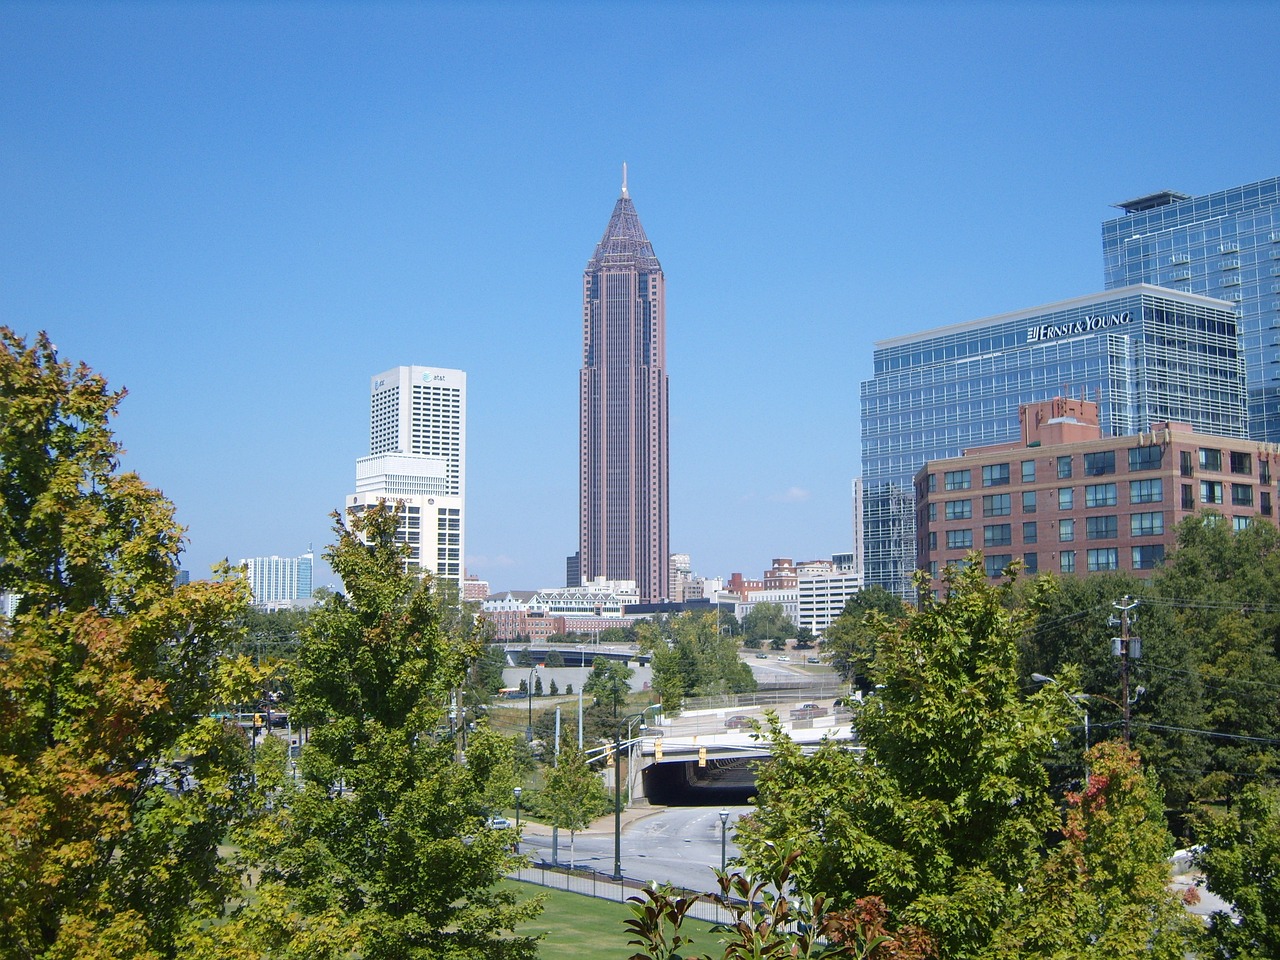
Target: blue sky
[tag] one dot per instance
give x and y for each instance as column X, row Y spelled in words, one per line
column 241, row 211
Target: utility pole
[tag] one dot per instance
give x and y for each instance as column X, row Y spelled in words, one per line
column 1128, row 647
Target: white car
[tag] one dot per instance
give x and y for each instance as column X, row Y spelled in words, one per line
column 784, row 659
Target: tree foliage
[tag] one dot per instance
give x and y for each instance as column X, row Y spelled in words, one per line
column 1104, row 892
column 608, row 683
column 386, row 835
column 850, row 639
column 572, row 795
column 767, row 621
column 1240, row 857
column 114, row 792
column 945, row 814
column 691, row 659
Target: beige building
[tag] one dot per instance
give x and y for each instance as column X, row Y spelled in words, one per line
column 1066, row 499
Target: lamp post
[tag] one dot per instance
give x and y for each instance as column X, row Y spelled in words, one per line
column 617, row 782
column 724, row 831
column 1079, row 700
column 516, row 791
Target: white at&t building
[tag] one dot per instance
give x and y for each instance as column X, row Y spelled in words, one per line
column 417, row 458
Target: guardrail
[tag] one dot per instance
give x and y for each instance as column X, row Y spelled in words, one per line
column 604, row 887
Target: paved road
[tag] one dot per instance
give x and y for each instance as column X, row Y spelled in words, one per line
column 678, row 845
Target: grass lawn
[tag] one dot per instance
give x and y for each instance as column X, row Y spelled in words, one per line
column 585, row 928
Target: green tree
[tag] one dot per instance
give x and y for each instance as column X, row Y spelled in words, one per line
column 1240, row 857
column 695, row 661
column 850, row 641
column 573, row 794
column 386, row 833
column 115, row 787
column 609, row 683
column 767, row 621
column 1104, row 891
column 945, row 814
column 555, row 658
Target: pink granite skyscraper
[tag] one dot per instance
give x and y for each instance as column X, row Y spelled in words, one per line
column 623, row 513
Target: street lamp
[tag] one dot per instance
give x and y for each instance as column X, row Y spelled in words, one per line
column 724, row 830
column 516, row 791
column 617, row 781
column 1079, row 700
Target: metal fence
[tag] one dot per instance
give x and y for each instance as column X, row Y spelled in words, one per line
column 604, row 887
column 769, row 696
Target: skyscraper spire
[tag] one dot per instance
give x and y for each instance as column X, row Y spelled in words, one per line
column 624, row 178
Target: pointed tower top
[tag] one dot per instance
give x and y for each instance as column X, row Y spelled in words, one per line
column 624, row 241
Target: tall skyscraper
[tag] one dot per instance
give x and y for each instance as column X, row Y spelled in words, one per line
column 623, row 473
column 1144, row 353
column 417, row 458
column 1224, row 245
column 279, row 582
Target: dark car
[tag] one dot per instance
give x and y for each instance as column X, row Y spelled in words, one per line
column 807, row 711
column 739, row 722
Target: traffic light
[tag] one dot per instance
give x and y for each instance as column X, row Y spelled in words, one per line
column 657, row 750
column 702, row 756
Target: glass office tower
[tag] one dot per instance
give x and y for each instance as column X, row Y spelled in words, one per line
column 1224, row 245
column 1144, row 353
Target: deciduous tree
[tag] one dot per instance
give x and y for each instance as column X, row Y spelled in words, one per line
column 115, row 787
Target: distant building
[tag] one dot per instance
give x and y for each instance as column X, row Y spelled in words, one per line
column 474, row 590
column 537, row 614
column 1145, row 354
column 822, row 592
column 417, row 462
column 623, row 530
column 743, row 588
column 1066, row 498
column 9, row 603
column 280, row 583
column 1225, row 245
column 782, row 575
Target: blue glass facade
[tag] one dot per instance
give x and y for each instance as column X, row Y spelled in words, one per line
column 1145, row 354
column 1224, row 245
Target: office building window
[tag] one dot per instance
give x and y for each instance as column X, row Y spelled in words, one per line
column 1029, row 532
column 1240, row 523
column 1210, row 491
column 1145, row 458
column 933, row 540
column 1028, row 471
column 933, row 568
column 1148, row 557
column 1210, row 459
column 1101, row 528
column 1064, row 468
column 997, row 505
column 1067, row 561
column 1264, row 472
column 996, row 563
column 1188, row 500
column 1241, row 495
column 933, row 513
column 997, row 534
column 958, row 509
column 1184, row 463
column 1028, row 501
column 1264, row 503
column 1097, row 464
column 1066, row 498
column 1032, row 562
column 995, row 475
column 1066, row 530
column 931, row 483
column 1100, row 495
column 1241, row 462
column 1146, row 524
column 960, row 539
column 1146, row 491
column 956, row 480
column 1103, row 558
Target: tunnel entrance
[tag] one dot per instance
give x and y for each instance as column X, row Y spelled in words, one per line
column 727, row 782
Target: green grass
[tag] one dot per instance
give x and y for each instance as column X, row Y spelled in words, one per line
column 578, row 927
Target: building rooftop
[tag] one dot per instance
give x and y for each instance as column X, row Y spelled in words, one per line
column 1151, row 201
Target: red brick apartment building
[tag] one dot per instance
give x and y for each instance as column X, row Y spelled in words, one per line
column 1065, row 498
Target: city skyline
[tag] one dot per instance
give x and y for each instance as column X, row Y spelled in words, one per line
column 623, row 519
column 238, row 213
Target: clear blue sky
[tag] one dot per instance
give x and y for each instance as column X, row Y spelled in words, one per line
column 241, row 211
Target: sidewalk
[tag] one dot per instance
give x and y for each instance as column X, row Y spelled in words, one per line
column 600, row 827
